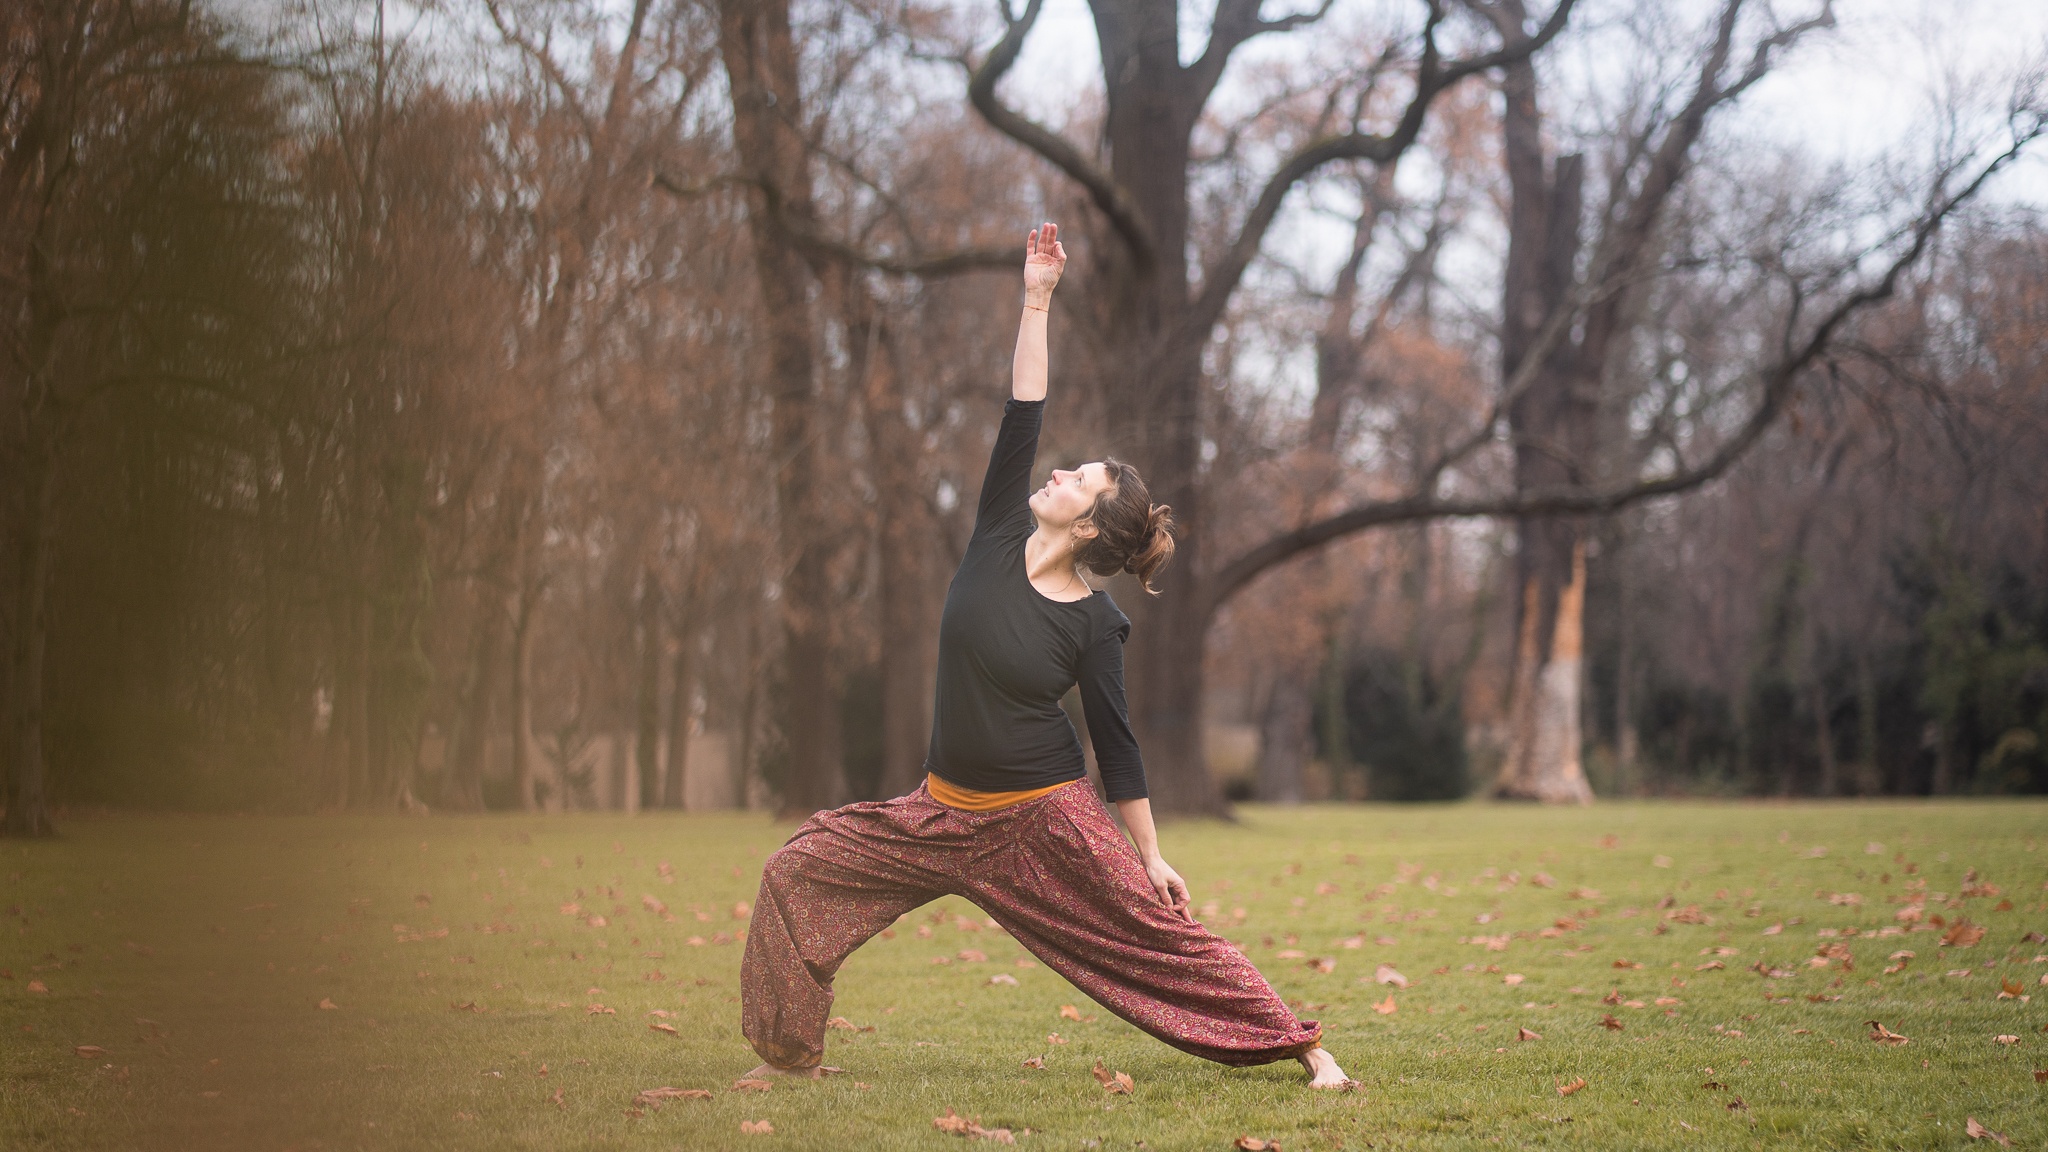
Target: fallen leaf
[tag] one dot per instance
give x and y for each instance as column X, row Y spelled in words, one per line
column 1735, row 1104
column 1574, row 1086
column 2041, row 1075
column 2006, row 1039
column 1978, row 1131
column 1385, row 1007
column 1069, row 1012
column 1884, row 1035
column 1611, row 1024
column 972, row 956
column 741, row 911
column 1254, row 1144
column 1511, row 979
column 599, row 1010
column 658, row 1026
column 90, row 1051
column 1388, row 974
column 2010, row 989
column 1525, row 1034
column 1118, row 1085
column 1962, row 934
column 1035, row 1062
column 1054, row 1038
column 757, row 1128
column 752, row 1085
column 1320, row 964
column 465, row 1006
column 955, row 1124
column 326, row 1003
column 1709, row 966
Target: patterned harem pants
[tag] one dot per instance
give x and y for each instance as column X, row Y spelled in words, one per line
column 1054, row 872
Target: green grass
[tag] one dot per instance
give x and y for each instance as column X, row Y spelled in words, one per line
column 227, row 933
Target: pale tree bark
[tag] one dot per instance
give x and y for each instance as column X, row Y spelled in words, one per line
column 761, row 66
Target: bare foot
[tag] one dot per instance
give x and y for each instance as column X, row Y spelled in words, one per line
column 1323, row 1071
column 770, row 1071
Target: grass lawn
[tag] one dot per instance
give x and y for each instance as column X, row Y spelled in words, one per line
column 391, row 982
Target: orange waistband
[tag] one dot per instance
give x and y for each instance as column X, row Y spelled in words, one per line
column 954, row 796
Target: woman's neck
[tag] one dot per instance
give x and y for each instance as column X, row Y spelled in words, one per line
column 1049, row 564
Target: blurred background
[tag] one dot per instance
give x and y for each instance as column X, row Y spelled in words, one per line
column 571, row 404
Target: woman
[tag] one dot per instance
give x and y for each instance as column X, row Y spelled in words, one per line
column 1006, row 817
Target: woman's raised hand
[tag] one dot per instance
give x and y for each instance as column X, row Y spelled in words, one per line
column 1044, row 260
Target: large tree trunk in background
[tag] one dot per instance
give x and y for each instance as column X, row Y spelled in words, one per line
column 1286, row 731
column 761, row 66
column 904, row 533
column 462, row 785
column 1551, row 422
column 682, row 714
column 647, row 693
column 28, row 812
column 522, row 699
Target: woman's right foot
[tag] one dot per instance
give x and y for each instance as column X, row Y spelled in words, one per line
column 1323, row 1071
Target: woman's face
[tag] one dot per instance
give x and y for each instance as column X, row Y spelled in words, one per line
column 1070, row 494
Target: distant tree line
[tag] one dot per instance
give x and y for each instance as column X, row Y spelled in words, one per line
column 500, row 403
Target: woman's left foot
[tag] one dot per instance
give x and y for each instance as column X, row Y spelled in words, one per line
column 771, row 1072
column 1323, row 1071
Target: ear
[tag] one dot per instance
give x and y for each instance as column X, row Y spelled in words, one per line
column 1084, row 528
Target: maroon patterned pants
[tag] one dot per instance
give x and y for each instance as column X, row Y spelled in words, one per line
column 1058, row 876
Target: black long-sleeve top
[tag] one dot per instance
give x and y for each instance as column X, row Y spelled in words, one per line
column 1007, row 653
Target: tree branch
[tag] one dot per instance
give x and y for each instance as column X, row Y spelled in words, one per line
column 819, row 245
column 1102, row 188
column 1432, row 78
column 1235, row 22
column 1779, row 382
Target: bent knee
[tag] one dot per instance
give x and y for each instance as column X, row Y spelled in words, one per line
column 783, row 868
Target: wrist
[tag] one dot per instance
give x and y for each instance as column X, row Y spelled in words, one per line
column 1039, row 300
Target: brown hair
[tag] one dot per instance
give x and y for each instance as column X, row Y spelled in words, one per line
column 1132, row 534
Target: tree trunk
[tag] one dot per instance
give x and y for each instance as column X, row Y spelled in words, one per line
column 1543, row 759
column 761, row 67
column 904, row 531
column 647, row 694
column 28, row 812
column 522, row 700
column 1285, row 727
column 462, row 785
column 682, row 715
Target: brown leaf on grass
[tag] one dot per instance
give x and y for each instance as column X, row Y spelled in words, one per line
column 89, row 1051
column 652, row 1097
column 1613, row 997
column 1709, row 966
column 658, row 1026
column 465, row 1006
column 1054, row 1038
column 1978, row 1131
column 1962, row 934
column 1611, row 1024
column 1884, row 1035
column 1002, row 978
column 844, row 1025
column 1512, row 979
column 756, row 1128
column 1627, row 964
column 746, row 1085
column 2009, row 989
column 1574, row 1086
column 1321, row 964
column 599, row 1010
column 1385, row 1007
column 1069, row 1012
column 740, row 911
column 1254, row 1144
column 1526, row 1034
column 972, row 956
column 2005, row 1039
column 1735, row 1104
column 1118, row 1085
column 1388, row 974
column 326, row 1003
column 1035, row 1062
column 954, row 1124
column 2041, row 1075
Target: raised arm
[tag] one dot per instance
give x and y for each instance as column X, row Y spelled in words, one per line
column 1044, row 260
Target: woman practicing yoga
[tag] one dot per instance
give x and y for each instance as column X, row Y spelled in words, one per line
column 1006, row 817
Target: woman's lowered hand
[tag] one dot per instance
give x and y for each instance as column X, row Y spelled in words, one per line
column 1171, row 889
